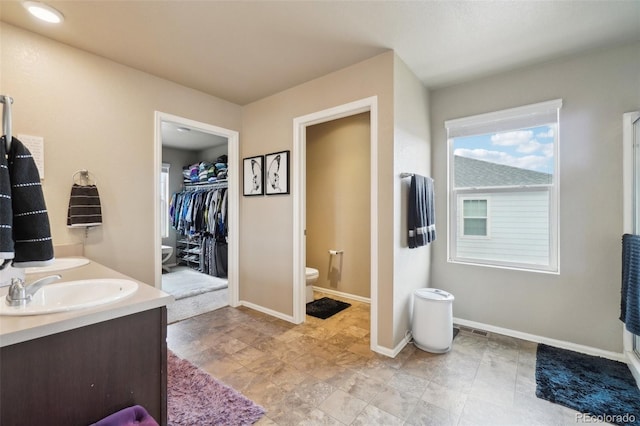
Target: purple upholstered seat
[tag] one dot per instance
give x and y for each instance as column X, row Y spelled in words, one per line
column 130, row 416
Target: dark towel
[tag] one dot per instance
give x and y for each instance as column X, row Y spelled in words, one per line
column 131, row 416
column 6, row 212
column 630, row 300
column 422, row 218
column 84, row 206
column 221, row 258
column 31, row 231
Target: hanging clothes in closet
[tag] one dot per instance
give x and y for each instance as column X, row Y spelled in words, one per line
column 203, row 213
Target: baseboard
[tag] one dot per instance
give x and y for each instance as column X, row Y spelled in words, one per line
column 341, row 294
column 633, row 361
column 267, row 311
column 589, row 350
column 392, row 353
column 634, row 365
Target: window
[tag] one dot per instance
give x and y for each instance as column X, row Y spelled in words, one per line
column 164, row 200
column 474, row 218
column 503, row 188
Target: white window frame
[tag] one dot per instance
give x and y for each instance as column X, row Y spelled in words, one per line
column 164, row 200
column 462, row 198
column 527, row 116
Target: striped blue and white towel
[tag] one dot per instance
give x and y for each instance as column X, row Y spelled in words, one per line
column 31, row 232
column 84, row 206
column 421, row 219
column 6, row 212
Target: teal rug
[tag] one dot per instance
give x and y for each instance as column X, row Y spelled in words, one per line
column 601, row 389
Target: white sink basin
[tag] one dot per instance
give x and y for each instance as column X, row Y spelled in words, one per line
column 59, row 264
column 72, row 295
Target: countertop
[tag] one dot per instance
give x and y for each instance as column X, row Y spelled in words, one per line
column 18, row 329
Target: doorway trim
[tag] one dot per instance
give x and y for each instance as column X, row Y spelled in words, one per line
column 232, row 197
column 629, row 214
column 300, row 125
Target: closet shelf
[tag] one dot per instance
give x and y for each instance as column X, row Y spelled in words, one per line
column 189, row 250
column 199, row 216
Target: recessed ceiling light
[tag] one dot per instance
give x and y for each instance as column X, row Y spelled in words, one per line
column 43, row 12
column 183, row 129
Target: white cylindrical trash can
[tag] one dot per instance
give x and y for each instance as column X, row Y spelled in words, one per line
column 432, row 322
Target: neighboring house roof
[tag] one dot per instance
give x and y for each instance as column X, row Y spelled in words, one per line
column 477, row 173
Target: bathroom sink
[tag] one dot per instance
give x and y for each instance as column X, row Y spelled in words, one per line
column 72, row 295
column 59, row 264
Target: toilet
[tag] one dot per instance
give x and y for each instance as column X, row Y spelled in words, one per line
column 167, row 251
column 312, row 276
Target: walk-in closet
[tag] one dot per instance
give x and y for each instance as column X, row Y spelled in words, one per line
column 194, row 213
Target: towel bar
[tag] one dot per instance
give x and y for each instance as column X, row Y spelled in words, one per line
column 6, row 119
column 85, row 178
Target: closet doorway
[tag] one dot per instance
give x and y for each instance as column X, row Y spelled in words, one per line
column 196, row 256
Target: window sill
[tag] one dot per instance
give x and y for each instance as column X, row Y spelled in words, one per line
column 523, row 268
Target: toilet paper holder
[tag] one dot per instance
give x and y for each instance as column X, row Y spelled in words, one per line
column 334, row 252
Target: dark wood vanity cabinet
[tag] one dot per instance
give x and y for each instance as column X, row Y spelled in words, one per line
column 80, row 376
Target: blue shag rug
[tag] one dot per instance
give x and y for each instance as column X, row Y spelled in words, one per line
column 599, row 387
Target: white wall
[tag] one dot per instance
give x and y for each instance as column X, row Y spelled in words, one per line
column 581, row 304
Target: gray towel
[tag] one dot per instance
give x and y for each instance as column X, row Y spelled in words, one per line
column 84, row 206
column 31, row 231
column 6, row 212
column 422, row 218
column 630, row 300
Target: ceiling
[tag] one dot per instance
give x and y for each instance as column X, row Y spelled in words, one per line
column 184, row 137
column 242, row 51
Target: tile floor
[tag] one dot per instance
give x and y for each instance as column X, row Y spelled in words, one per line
column 323, row 373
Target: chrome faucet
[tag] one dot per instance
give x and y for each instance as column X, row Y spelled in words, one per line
column 20, row 293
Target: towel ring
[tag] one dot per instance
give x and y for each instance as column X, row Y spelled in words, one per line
column 85, row 178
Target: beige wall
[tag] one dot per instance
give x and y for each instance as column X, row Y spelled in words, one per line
column 98, row 115
column 339, row 202
column 266, row 240
column 412, row 154
column 582, row 303
column 266, row 267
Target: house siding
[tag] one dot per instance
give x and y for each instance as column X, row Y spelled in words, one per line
column 518, row 229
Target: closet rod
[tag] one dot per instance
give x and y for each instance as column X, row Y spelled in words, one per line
column 213, row 185
column 6, row 119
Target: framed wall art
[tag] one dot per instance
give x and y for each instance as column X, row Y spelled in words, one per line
column 253, row 177
column 276, row 173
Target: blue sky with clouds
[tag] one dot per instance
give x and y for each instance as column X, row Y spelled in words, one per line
column 530, row 148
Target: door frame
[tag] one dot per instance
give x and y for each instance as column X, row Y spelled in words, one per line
column 233, row 215
column 629, row 205
column 300, row 125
